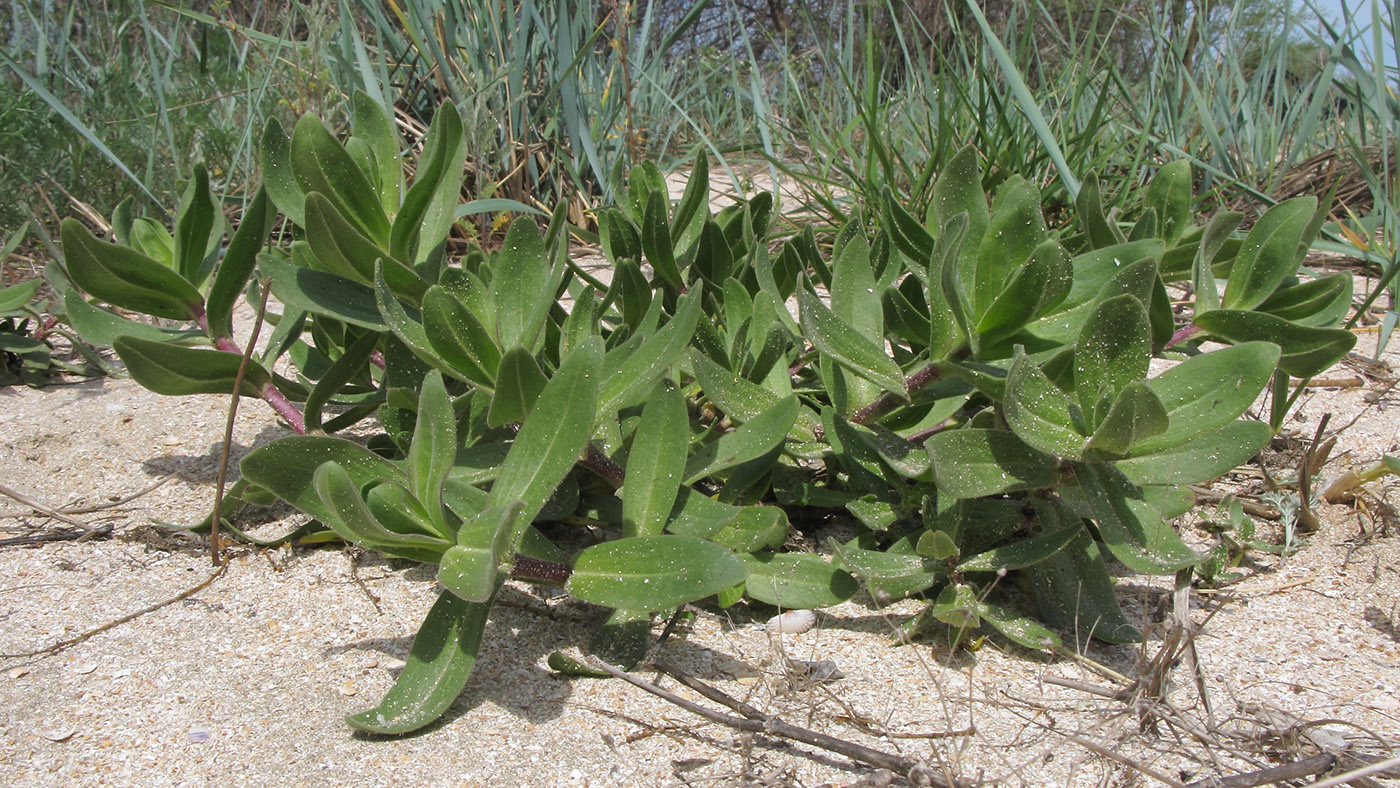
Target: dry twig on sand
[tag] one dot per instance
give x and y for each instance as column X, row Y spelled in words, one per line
column 755, row 721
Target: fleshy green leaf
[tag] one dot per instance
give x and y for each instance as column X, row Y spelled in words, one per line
column 1202, row 458
column 554, row 435
column 845, row 345
column 519, row 381
column 1016, row 228
column 1204, row 393
column 653, row 573
column 741, row 399
column 973, row 463
column 958, row 190
column 752, row 440
column 1322, row 302
column 101, row 328
column 1019, row 629
column 13, row 298
column 321, row 164
column 198, row 217
column 1073, row 591
column 430, row 205
column 884, row 565
column 278, row 178
column 286, row 466
column 1269, row 254
column 459, row 338
column 755, row 528
column 698, row 515
column 656, row 241
column 1214, row 238
column 238, row 263
column 443, row 655
column 434, row 446
column 1038, row 412
column 693, row 209
column 797, row 581
column 520, row 283
column 371, row 124
column 351, row 519
column 655, row 464
column 126, row 278
column 1089, row 206
column 1023, row 553
column 1034, row 289
column 1114, row 349
column 1135, row 533
column 1307, row 351
column 173, row 370
column 1136, row 414
column 958, row 606
column 322, row 293
column 661, row 351
column 471, row 569
column 909, row 236
column 1170, row 194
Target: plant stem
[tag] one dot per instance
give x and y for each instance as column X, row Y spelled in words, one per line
column 270, row 393
column 216, row 516
column 527, row 568
column 284, row 407
column 595, row 460
column 887, row 402
column 1184, row 333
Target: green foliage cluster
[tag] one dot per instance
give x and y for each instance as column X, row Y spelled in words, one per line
column 968, row 385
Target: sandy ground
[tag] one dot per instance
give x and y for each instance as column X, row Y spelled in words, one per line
column 247, row 680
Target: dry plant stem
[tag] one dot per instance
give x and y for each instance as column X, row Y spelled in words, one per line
column 1379, row 767
column 57, row 536
column 1204, row 495
column 73, row 641
column 228, row 431
column 97, row 507
column 1099, row 749
column 48, row 511
column 755, row 721
column 1312, row 460
column 1274, row 774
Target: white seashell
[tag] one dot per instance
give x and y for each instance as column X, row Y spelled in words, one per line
column 793, row 622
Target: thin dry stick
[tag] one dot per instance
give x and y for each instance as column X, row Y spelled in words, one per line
column 73, row 535
column 73, row 641
column 1379, row 767
column 228, row 430
column 917, row 773
column 1099, row 749
column 97, row 507
column 44, row 509
column 1314, row 456
column 1274, row 774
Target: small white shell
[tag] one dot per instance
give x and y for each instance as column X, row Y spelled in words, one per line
column 793, row 622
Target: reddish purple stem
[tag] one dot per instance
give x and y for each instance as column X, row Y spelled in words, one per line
column 1184, row 333
column 270, row 393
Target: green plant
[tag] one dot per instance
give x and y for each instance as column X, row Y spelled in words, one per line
column 973, row 394
column 26, row 323
column 1237, row 539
